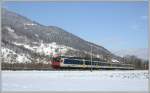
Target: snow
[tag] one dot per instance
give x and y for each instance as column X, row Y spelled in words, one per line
column 7, row 54
column 114, row 60
column 50, row 48
column 10, row 29
column 29, row 24
column 23, row 59
column 26, row 25
column 25, row 45
column 45, row 48
column 18, row 44
column 6, row 51
column 42, row 48
column 28, row 47
column 75, row 80
column 36, row 35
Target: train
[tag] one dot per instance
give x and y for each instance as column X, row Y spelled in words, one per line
column 82, row 63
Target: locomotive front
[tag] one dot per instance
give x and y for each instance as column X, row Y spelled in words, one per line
column 56, row 62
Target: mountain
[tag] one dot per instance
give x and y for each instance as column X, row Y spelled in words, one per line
column 139, row 52
column 26, row 41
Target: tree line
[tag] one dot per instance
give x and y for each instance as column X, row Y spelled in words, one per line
column 138, row 63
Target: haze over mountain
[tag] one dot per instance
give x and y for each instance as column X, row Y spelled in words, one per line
column 24, row 38
column 139, row 52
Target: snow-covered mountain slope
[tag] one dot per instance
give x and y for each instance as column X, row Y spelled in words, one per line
column 27, row 38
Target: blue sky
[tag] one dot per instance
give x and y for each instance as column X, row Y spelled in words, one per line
column 114, row 25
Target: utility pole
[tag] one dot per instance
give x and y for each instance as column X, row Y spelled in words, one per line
column 91, row 58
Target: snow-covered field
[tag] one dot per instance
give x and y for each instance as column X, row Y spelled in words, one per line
column 74, row 81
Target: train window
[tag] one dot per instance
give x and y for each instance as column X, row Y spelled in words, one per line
column 71, row 61
column 78, row 62
column 104, row 64
column 67, row 61
column 87, row 62
column 99, row 63
column 81, row 62
column 94, row 63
